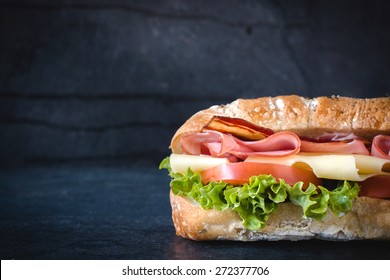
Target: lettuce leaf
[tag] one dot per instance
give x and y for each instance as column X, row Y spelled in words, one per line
column 341, row 199
column 258, row 199
column 313, row 200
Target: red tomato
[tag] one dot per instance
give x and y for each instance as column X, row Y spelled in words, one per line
column 238, row 173
column 377, row 186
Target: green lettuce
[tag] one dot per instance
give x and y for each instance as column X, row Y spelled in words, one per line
column 257, row 200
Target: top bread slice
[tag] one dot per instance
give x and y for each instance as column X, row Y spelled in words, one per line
column 306, row 117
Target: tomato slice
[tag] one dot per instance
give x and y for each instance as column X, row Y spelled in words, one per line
column 238, row 173
column 377, row 186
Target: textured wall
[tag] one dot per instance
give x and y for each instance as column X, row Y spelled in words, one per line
column 93, row 80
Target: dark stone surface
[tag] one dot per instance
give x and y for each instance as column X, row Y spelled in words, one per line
column 84, row 80
column 123, row 212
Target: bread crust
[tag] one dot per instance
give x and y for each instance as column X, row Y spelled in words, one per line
column 306, row 117
column 368, row 219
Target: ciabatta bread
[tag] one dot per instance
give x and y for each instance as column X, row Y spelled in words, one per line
column 369, row 217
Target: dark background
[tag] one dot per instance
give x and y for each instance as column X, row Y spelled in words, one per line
column 91, row 92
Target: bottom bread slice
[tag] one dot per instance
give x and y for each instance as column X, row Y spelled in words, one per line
column 368, row 219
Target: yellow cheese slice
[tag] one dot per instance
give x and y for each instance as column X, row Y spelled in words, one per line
column 333, row 166
column 180, row 163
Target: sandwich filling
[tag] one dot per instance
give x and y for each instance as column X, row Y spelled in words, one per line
column 233, row 164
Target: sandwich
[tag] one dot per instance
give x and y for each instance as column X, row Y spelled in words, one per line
column 283, row 168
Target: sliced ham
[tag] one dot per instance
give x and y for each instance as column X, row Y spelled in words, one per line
column 195, row 144
column 279, row 144
column 331, row 137
column 225, row 145
column 381, row 146
column 276, row 145
column 355, row 146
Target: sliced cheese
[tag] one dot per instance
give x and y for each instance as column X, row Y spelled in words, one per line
column 333, row 166
column 328, row 166
column 180, row 163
